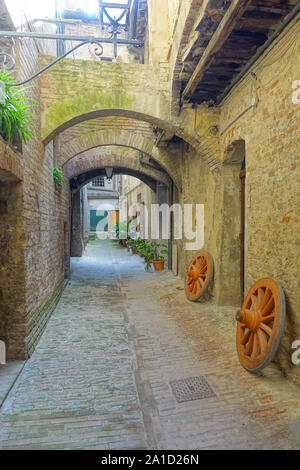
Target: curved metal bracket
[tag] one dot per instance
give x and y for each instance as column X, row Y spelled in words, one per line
column 98, row 51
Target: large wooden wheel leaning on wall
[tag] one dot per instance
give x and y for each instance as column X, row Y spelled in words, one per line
column 260, row 324
column 199, row 276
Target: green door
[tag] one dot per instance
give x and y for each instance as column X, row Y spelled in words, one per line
column 95, row 218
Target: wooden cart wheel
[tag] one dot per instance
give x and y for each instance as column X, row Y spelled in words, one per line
column 260, row 324
column 199, row 276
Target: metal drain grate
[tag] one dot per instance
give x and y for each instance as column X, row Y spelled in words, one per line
column 192, row 388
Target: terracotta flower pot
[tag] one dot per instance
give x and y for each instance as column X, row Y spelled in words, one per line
column 134, row 250
column 158, row 264
column 124, row 243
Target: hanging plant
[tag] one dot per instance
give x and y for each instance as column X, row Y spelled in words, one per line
column 58, row 177
column 15, row 114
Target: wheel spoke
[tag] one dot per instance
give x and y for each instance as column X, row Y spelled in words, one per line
column 266, row 328
column 255, row 347
column 201, row 263
column 194, row 288
column 262, row 340
column 246, row 337
column 191, row 287
column 199, row 287
column 260, row 296
column 266, row 298
column 268, row 319
column 268, row 309
column 203, row 269
column 248, row 349
column 254, row 301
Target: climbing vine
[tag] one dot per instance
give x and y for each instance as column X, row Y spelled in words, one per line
column 58, row 177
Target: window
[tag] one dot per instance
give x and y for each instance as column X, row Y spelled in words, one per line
column 99, row 182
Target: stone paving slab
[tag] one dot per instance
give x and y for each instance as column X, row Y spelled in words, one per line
column 100, row 375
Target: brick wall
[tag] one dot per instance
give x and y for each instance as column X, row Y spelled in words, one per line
column 45, row 216
column 271, row 135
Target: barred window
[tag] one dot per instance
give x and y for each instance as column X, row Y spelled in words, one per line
column 99, row 182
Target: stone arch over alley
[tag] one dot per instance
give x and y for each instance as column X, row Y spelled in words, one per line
column 117, row 132
column 123, row 160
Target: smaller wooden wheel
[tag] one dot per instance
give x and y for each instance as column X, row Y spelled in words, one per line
column 199, row 276
column 260, row 324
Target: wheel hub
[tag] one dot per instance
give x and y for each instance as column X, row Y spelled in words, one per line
column 193, row 273
column 252, row 319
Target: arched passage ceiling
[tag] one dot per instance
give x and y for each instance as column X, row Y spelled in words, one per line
column 85, row 178
column 120, row 132
column 87, row 165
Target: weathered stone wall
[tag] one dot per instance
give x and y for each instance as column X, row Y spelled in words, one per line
column 73, row 89
column 12, row 269
column 270, row 131
column 45, row 217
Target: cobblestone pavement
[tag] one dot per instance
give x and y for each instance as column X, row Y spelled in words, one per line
column 100, row 376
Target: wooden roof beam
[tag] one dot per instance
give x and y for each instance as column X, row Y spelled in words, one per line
column 195, row 33
column 228, row 23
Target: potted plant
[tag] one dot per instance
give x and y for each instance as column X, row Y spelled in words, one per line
column 124, row 231
column 134, row 243
column 142, row 248
column 157, row 252
column 15, row 115
column 153, row 254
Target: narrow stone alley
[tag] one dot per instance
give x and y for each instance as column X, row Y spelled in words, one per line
column 100, row 375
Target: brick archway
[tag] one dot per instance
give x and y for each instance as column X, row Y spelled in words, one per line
column 125, row 160
column 168, row 127
column 78, row 141
column 126, row 90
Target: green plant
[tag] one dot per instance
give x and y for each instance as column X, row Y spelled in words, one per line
column 151, row 251
column 158, row 250
column 124, row 230
column 141, row 247
column 58, row 177
column 117, row 229
column 15, row 115
column 135, row 241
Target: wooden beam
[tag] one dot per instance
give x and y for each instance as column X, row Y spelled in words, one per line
column 195, row 34
column 232, row 15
